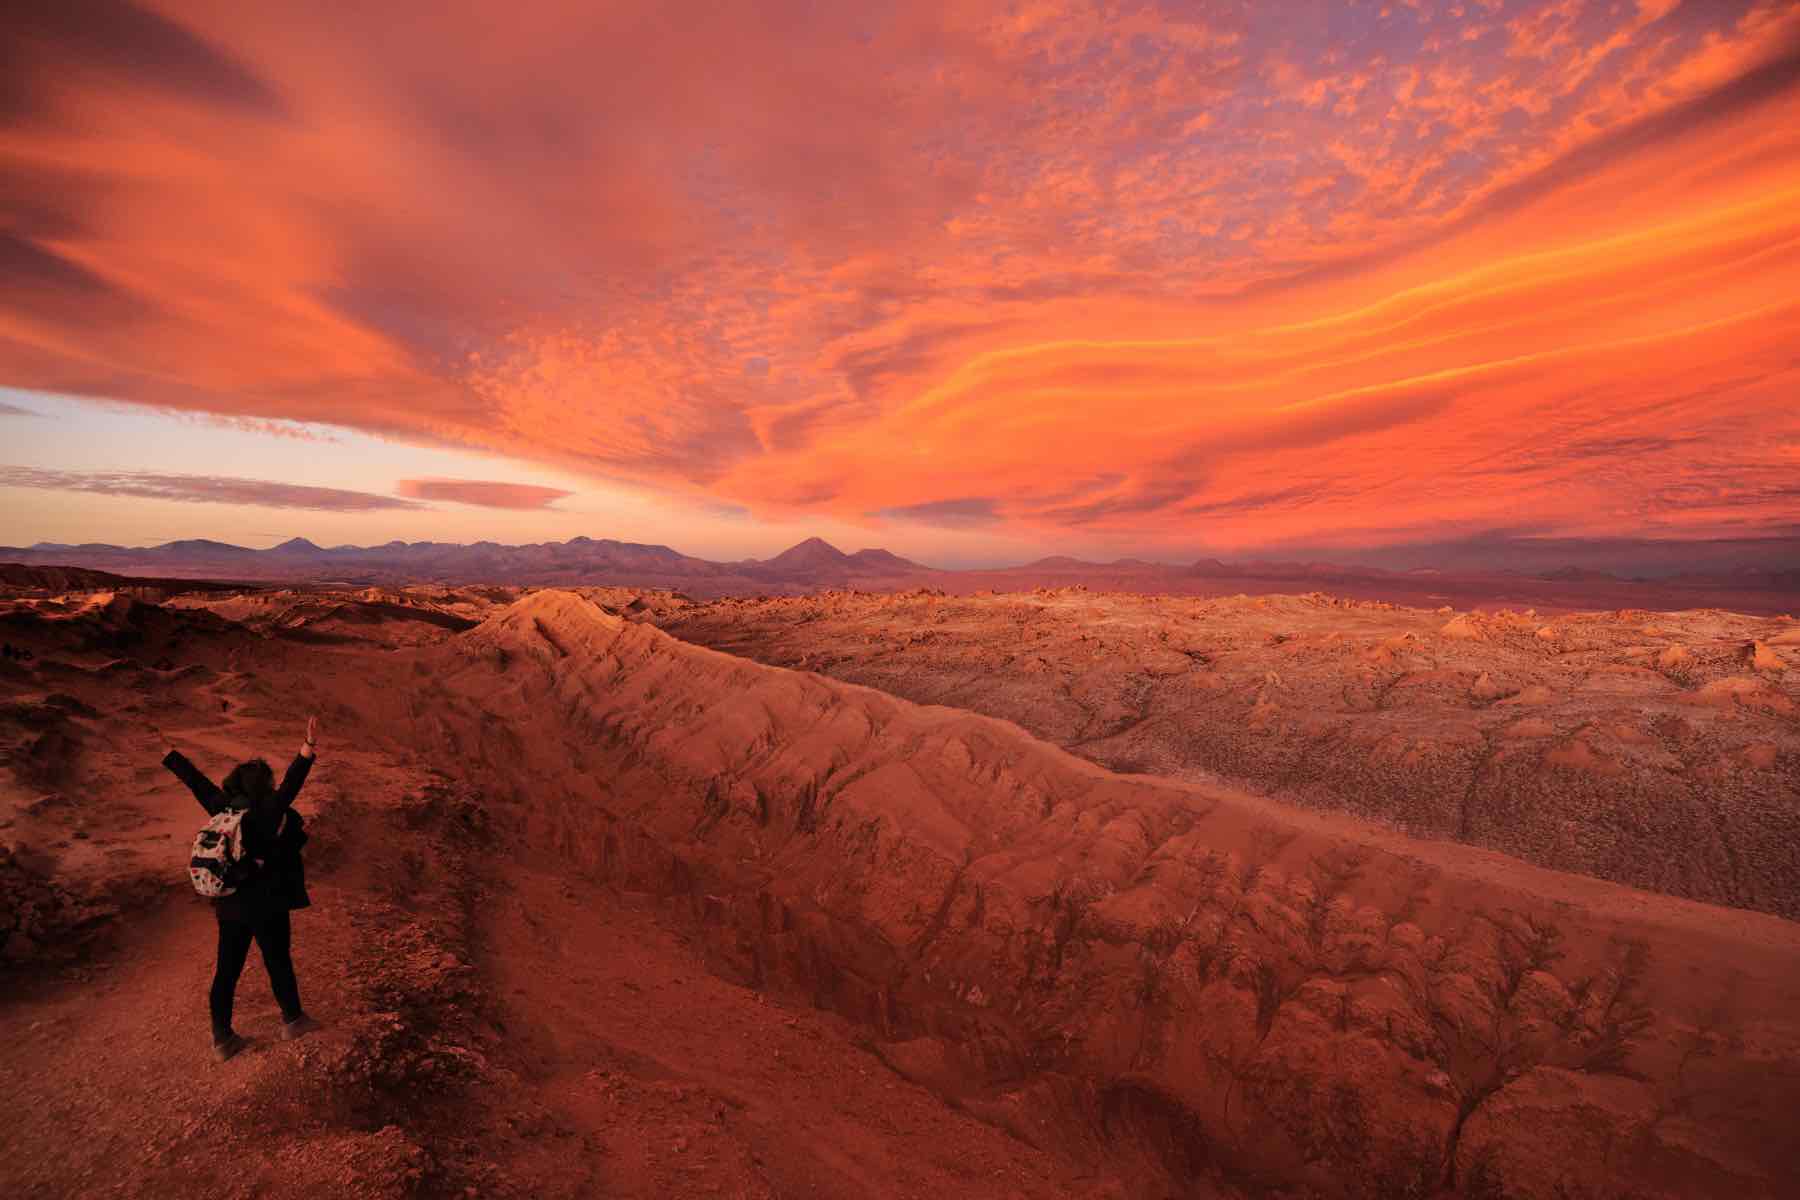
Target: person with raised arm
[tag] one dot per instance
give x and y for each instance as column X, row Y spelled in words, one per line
column 267, row 883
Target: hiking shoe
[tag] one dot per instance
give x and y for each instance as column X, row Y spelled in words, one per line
column 227, row 1048
column 300, row 1026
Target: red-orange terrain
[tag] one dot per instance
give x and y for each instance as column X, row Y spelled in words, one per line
column 1095, row 896
column 1660, row 750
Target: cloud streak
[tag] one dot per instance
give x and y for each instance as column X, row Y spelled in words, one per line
column 483, row 493
column 1258, row 273
column 203, row 489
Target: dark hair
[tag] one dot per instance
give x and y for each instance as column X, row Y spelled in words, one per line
column 250, row 781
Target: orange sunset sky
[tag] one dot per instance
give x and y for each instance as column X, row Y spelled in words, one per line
column 972, row 281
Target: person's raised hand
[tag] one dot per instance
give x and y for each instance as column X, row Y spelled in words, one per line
column 312, row 731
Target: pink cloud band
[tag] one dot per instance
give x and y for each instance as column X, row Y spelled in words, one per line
column 485, row 493
column 207, row 489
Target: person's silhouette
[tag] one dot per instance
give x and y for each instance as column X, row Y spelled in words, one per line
column 273, row 886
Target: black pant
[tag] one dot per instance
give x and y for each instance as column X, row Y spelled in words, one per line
column 272, row 933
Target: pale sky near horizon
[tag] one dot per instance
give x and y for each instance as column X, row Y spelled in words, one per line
column 99, row 439
column 975, row 282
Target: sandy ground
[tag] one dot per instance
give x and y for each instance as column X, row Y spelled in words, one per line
column 491, row 1024
column 602, row 912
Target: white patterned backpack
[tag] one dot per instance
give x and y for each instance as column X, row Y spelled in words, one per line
column 218, row 863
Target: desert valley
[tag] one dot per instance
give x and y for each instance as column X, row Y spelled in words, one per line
column 1056, row 892
column 900, row 600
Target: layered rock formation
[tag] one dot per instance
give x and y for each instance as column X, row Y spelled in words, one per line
column 1217, row 991
column 1659, row 750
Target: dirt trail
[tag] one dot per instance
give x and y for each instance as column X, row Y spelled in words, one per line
column 100, row 1063
column 511, row 1030
column 682, row 1084
column 622, row 1069
column 107, row 1060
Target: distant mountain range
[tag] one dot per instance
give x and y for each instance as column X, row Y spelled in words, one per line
column 816, row 564
column 812, row 563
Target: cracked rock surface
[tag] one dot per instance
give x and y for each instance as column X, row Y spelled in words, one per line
column 602, row 911
column 1660, row 750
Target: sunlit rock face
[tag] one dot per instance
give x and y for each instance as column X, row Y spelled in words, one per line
column 1220, row 982
column 1149, row 976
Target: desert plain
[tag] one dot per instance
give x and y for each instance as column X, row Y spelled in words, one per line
column 1047, row 892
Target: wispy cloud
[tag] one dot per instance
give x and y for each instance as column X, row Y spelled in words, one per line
column 207, row 489
column 962, row 512
column 482, row 492
column 1300, row 269
column 279, row 429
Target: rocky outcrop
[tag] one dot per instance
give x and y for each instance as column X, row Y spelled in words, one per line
column 1663, row 754
column 1168, row 974
column 41, row 918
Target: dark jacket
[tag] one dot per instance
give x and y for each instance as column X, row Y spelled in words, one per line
column 273, row 833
